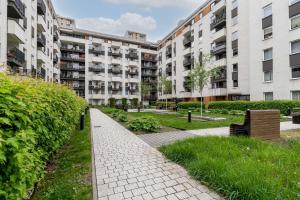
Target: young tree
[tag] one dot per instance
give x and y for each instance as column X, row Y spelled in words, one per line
column 200, row 76
column 145, row 91
column 166, row 87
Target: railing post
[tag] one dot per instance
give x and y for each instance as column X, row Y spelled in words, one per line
column 82, row 121
column 190, row 116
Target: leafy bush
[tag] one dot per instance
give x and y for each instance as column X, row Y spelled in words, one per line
column 162, row 104
column 190, row 105
column 227, row 112
column 134, row 102
column 282, row 105
column 36, row 119
column 112, row 102
column 123, row 117
column 124, row 102
column 147, row 124
column 116, row 112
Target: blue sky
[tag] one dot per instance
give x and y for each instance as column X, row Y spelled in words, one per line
column 156, row 18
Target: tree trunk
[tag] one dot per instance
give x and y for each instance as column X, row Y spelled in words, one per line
column 201, row 104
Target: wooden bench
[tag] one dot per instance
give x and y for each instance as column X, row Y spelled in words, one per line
column 263, row 124
column 295, row 113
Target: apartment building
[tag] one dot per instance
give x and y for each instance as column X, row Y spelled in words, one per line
column 29, row 38
column 256, row 45
column 100, row 66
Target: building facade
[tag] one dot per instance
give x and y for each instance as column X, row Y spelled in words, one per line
column 30, row 38
column 255, row 44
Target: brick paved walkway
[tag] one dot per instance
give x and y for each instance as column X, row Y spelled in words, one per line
column 128, row 168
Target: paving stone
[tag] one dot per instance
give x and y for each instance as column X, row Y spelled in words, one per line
column 128, row 168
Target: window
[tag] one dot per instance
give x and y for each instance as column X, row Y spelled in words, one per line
column 295, row 22
column 268, row 96
column 235, row 20
column 296, row 72
column 268, row 54
column 268, row 33
column 295, row 47
column 267, row 11
column 268, row 76
column 296, row 95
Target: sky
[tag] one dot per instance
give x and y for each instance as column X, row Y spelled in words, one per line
column 156, row 18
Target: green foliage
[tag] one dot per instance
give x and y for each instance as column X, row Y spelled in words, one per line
column 135, row 102
column 241, row 168
column 147, row 124
column 190, row 105
column 281, row 105
column 124, row 102
column 166, row 85
column 227, row 112
column 36, row 119
column 112, row 102
column 162, row 104
column 122, row 117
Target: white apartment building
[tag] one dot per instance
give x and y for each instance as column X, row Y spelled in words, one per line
column 29, row 38
column 256, row 43
column 100, row 66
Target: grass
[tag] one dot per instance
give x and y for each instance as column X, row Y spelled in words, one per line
column 179, row 121
column 69, row 172
column 241, row 168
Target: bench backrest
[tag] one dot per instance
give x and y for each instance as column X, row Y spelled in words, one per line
column 265, row 124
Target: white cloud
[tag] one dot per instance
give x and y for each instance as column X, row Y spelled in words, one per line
column 127, row 21
column 190, row 4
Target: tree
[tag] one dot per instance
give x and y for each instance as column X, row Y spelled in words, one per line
column 145, row 91
column 200, row 76
column 166, row 87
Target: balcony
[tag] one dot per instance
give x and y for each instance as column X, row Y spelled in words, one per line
column 97, row 50
column 149, row 66
column 115, row 88
column 116, row 53
column 133, row 72
column 219, row 49
column 219, row 22
column 41, row 7
column 78, row 87
column 97, row 87
column 116, row 70
column 188, row 62
column 149, row 74
column 15, row 33
column 97, row 69
column 219, row 92
column 41, row 40
column 71, row 67
column 72, row 77
column 220, row 34
column 72, row 58
column 15, row 9
column 169, row 53
column 74, row 49
column 41, row 57
column 218, row 6
column 16, row 57
column 132, row 55
column 41, row 24
column 149, row 57
column 295, row 60
column 55, row 36
column 187, row 86
column 188, row 40
column 169, row 70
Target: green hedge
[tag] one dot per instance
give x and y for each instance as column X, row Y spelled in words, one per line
column 36, row 118
column 281, row 105
column 190, row 105
column 162, row 104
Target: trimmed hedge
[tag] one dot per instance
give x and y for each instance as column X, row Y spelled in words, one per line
column 162, row 104
column 190, row 105
column 282, row 105
column 36, row 118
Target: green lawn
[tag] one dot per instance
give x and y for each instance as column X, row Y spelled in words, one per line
column 69, row 173
column 179, row 121
column 241, row 168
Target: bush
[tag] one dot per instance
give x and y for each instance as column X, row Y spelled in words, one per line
column 112, row 102
column 124, row 102
column 190, row 105
column 36, row 119
column 116, row 112
column 282, row 105
column 162, row 104
column 147, row 124
column 134, row 102
column 123, row 117
column 227, row 112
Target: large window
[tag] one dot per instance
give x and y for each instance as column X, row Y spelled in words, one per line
column 294, row 1
column 296, row 72
column 295, row 47
column 268, row 54
column 268, row 76
column 295, row 22
column 267, row 11
column 296, row 95
column 268, row 96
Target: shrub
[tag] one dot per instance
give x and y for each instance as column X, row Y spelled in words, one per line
column 112, row 102
column 147, row 124
column 282, row 105
column 162, row 104
column 124, row 102
column 190, row 105
column 135, row 102
column 36, row 119
column 116, row 112
column 123, row 117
